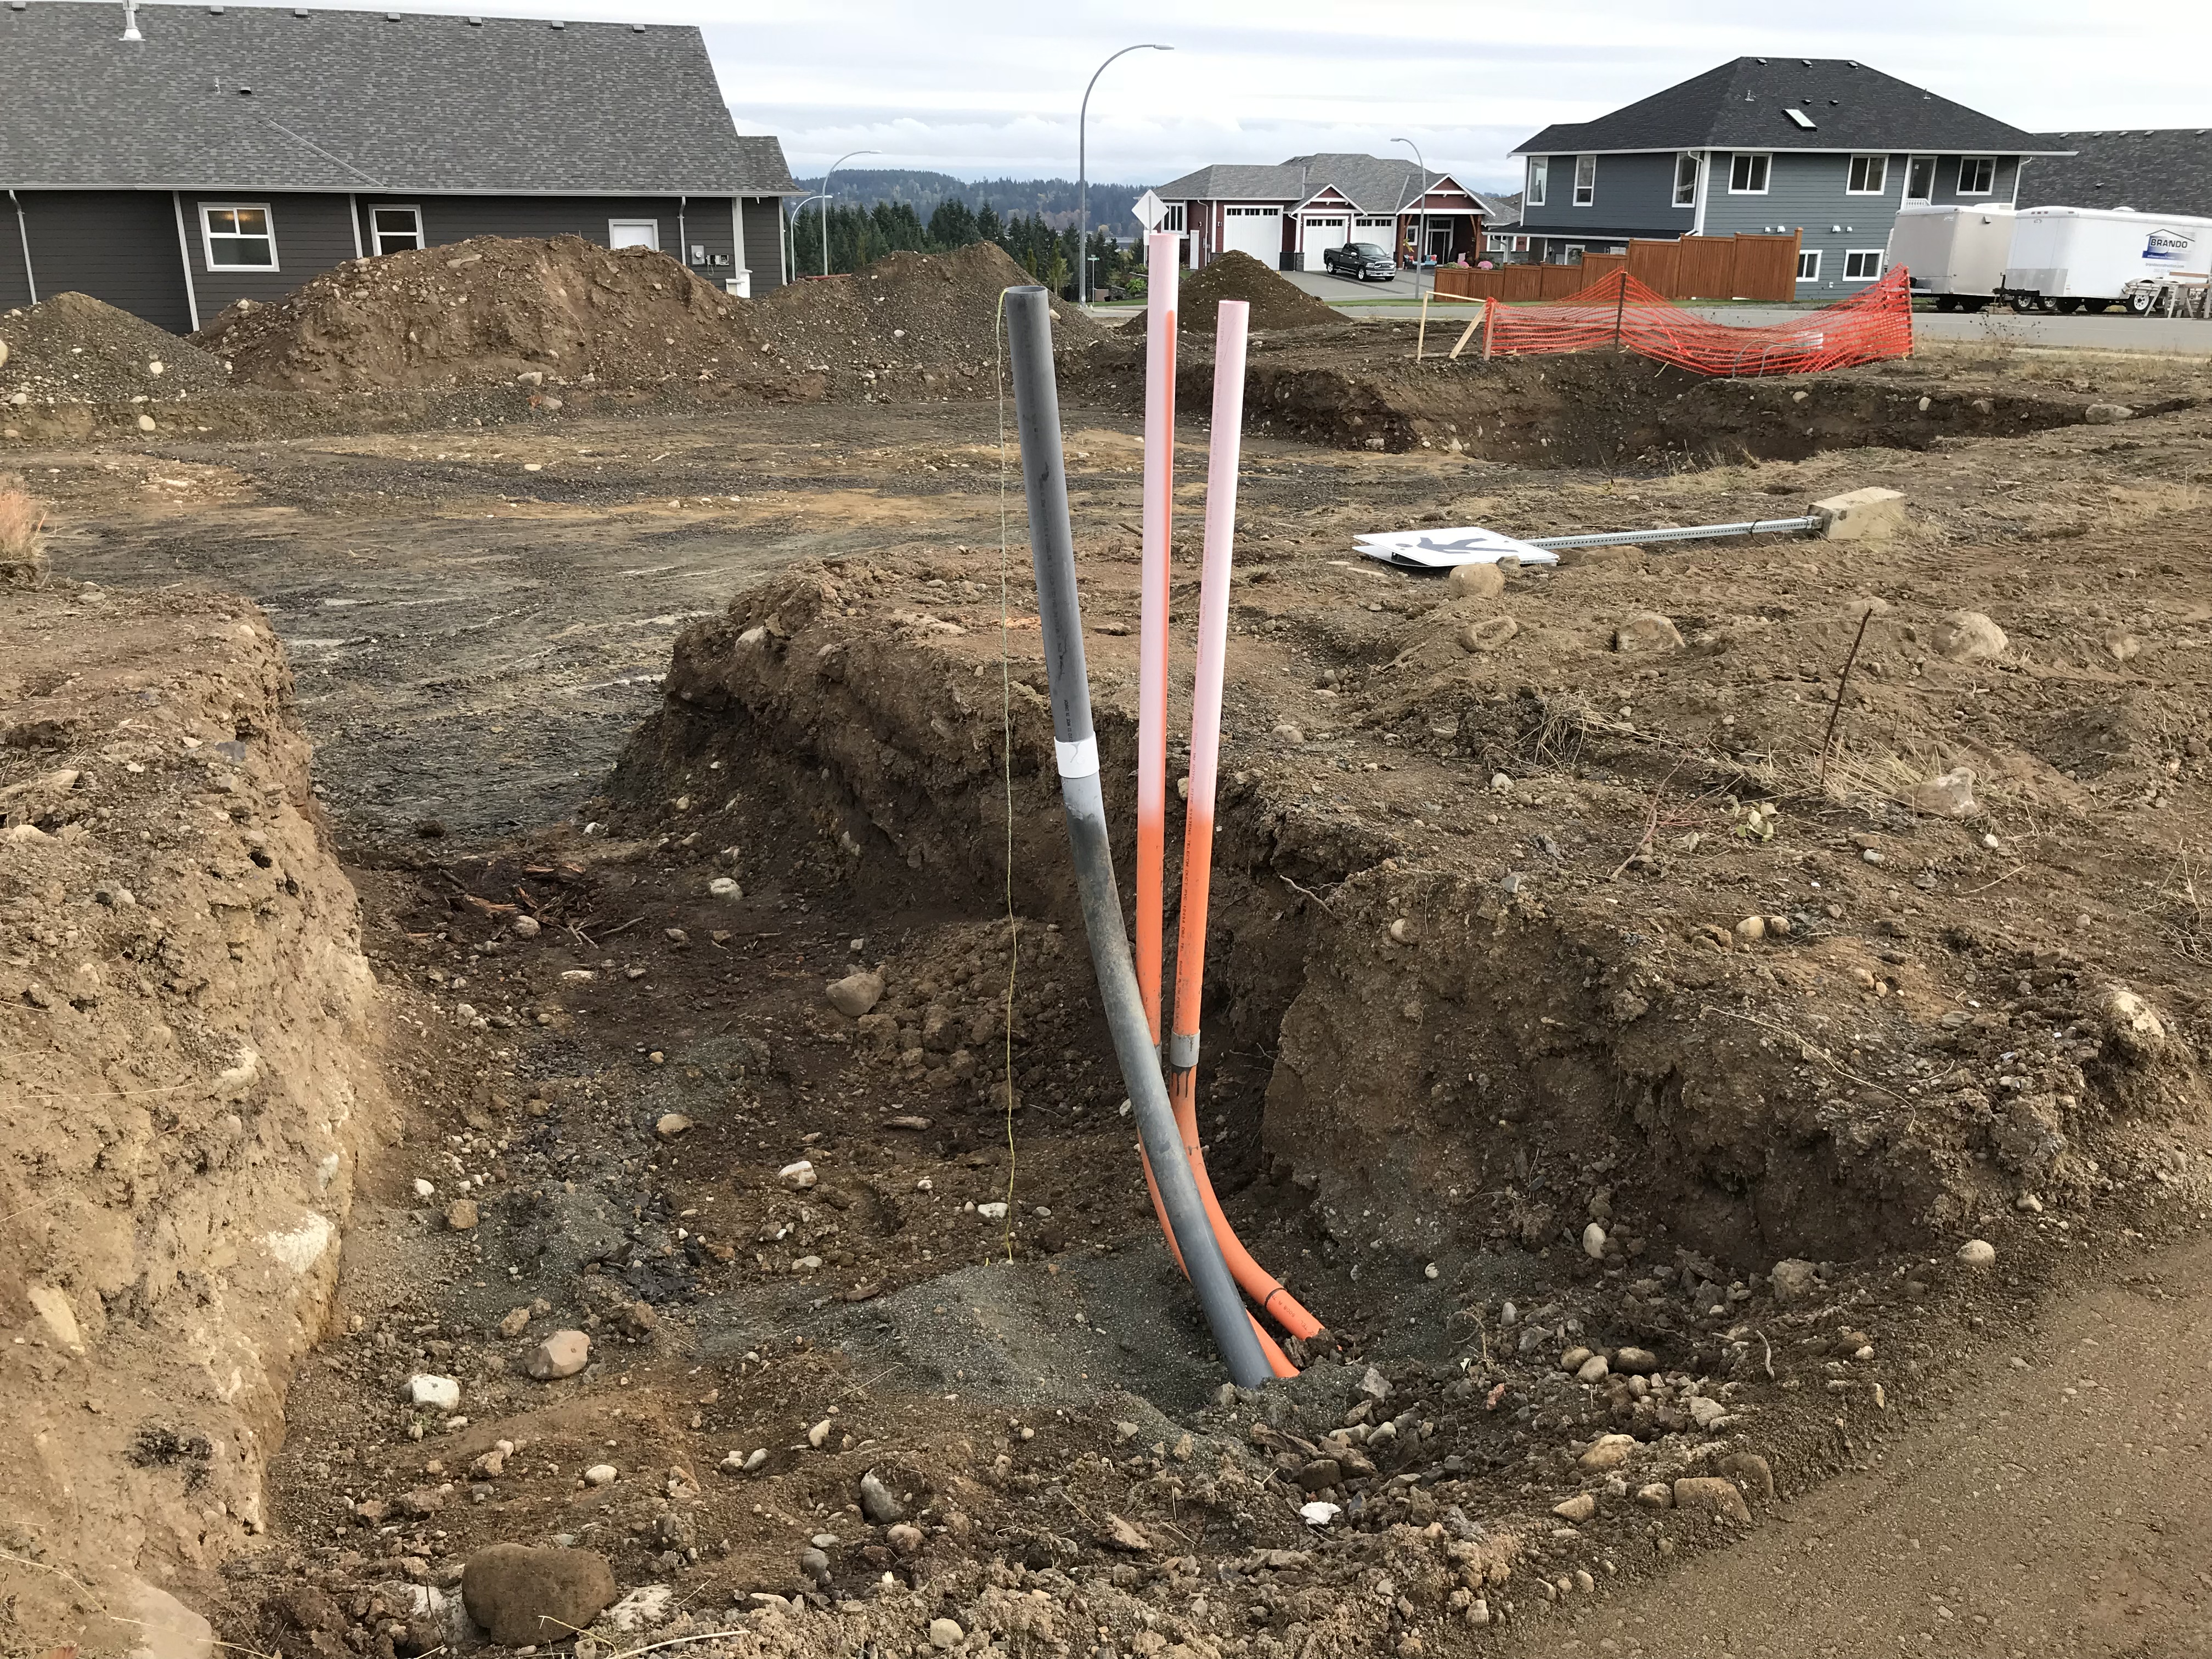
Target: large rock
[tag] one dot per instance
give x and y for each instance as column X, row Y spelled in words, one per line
column 1647, row 632
column 522, row 1595
column 1970, row 637
column 561, row 1354
column 1947, row 795
column 879, row 1503
column 1710, row 1495
column 1872, row 514
column 856, row 994
column 1795, row 1280
column 1475, row 582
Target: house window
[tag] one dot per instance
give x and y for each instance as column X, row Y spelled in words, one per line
column 1540, row 173
column 1172, row 219
column 633, row 233
column 1869, row 174
column 1862, row 264
column 1920, row 178
column 1809, row 266
column 390, row 230
column 1748, row 174
column 1685, row 179
column 1571, row 254
column 1585, row 180
column 1978, row 175
column 1496, row 242
column 237, row 236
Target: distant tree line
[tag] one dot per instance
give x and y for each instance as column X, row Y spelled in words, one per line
column 1054, row 200
column 858, row 235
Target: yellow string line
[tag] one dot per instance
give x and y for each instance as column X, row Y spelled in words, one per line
column 1006, row 739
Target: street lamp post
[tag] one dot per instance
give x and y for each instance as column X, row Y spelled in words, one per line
column 832, row 167
column 1421, row 236
column 1083, row 170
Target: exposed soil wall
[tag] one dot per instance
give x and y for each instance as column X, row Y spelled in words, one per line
column 184, row 1089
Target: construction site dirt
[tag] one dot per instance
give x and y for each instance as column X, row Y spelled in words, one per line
column 1713, row 1029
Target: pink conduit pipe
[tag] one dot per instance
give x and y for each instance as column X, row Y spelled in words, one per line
column 1182, row 1055
column 1163, row 254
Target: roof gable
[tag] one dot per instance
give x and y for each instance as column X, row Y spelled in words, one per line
column 270, row 98
column 1745, row 105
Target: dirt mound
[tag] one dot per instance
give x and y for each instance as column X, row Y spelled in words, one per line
column 1275, row 303
column 908, row 309
column 183, row 1092
column 75, row 349
column 485, row 310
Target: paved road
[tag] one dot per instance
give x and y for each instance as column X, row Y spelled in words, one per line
column 2179, row 335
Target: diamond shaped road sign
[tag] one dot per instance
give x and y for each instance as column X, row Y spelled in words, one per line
column 1150, row 209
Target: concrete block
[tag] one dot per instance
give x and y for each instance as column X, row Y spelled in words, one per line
column 1872, row 514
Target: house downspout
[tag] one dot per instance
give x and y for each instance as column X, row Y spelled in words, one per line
column 737, row 267
column 23, row 235
column 683, row 236
column 185, row 255
column 1704, row 192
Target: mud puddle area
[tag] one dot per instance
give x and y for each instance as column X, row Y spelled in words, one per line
column 1628, row 1221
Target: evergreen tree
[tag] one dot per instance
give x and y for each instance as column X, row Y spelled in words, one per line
column 988, row 225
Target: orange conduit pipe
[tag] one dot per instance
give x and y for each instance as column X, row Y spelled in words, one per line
column 1230, row 337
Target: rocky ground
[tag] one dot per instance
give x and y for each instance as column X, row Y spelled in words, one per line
column 1633, row 1222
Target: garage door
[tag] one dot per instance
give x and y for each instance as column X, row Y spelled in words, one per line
column 1255, row 231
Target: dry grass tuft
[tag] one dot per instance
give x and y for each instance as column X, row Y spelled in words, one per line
column 22, row 536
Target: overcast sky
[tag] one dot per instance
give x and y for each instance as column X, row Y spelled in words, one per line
column 988, row 87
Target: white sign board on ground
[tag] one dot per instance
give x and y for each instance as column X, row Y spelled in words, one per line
column 1150, row 211
column 1440, row 549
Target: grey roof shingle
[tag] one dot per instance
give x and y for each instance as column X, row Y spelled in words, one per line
column 1374, row 184
column 358, row 100
column 1744, row 104
column 2162, row 170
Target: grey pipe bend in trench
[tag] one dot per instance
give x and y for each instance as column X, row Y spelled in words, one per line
column 1052, row 548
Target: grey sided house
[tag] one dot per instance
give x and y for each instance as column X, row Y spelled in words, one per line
column 1286, row 216
column 1823, row 146
column 171, row 160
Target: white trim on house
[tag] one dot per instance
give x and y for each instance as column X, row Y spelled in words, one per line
column 1704, row 192
column 376, row 232
column 1877, row 167
column 184, row 252
column 1863, row 253
column 1784, row 149
column 1977, row 162
column 1536, row 189
column 1765, row 170
column 1586, row 181
column 208, row 233
column 651, row 227
column 353, row 213
column 1805, row 273
column 1927, row 195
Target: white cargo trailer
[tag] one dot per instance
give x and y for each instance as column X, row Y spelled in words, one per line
column 2067, row 259
column 1956, row 254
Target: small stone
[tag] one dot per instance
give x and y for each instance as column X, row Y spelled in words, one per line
column 1656, row 1495
column 563, row 1353
column 1593, row 1241
column 1475, row 582
column 440, row 1393
column 1794, row 1281
column 2028, row 1204
column 1577, row 1509
column 671, row 1125
column 525, row 928
column 1593, row 1369
column 1977, row 1252
column 879, row 1503
column 1704, row 1411
column 1490, row 633
column 2125, row 647
column 1970, row 637
column 1947, row 795
column 904, row 1538
column 1321, row 1474
column 1635, row 1362
column 1750, row 1471
column 723, row 887
column 1288, row 735
column 1751, row 929
column 523, row 1596
column 1574, row 1358
column 461, row 1214
column 856, row 994
column 1121, row 1534
column 601, row 1474
column 423, row 1188
column 1429, row 1271
column 1607, row 1451
column 814, row 1563
column 516, row 1322
column 2108, row 414
column 757, row 1462
column 1647, row 632
column 1711, row 1496
column 819, row 1433
column 945, row 1633
column 799, row 1174
column 145, row 422
column 1374, row 1385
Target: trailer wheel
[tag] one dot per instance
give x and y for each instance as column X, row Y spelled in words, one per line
column 2030, row 304
column 2139, row 305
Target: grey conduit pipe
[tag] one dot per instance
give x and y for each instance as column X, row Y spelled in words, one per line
column 1052, row 548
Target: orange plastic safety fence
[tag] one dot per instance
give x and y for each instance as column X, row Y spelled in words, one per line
column 1616, row 310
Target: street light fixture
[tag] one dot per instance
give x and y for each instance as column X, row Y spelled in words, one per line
column 832, row 167
column 1420, row 236
column 1083, row 170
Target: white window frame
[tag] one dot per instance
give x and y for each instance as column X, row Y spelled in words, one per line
column 1685, row 187
column 1764, row 169
column 208, row 233
column 1873, row 253
column 1172, row 220
column 1927, row 195
column 376, row 236
column 1860, row 166
column 1571, row 253
column 1989, row 162
column 653, row 224
column 1540, row 180
column 1813, row 274
column 1585, row 180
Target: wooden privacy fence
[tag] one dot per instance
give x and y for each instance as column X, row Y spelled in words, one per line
column 1694, row 268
